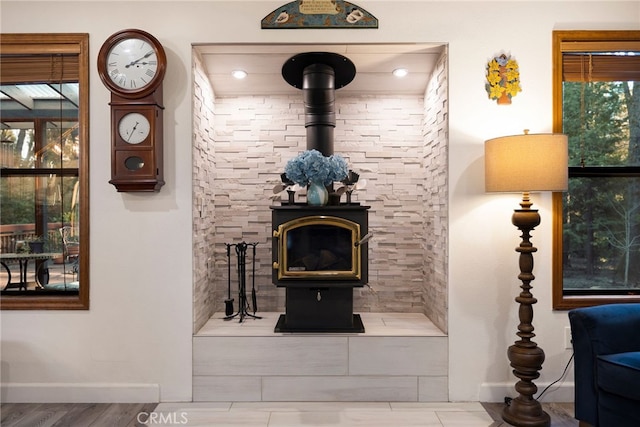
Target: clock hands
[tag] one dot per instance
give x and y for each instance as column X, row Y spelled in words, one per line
column 132, row 131
column 137, row 63
column 132, row 63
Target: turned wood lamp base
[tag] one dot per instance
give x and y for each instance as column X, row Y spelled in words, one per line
column 525, row 356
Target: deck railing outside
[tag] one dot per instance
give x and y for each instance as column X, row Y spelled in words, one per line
column 12, row 235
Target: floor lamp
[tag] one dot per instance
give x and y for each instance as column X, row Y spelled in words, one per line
column 526, row 163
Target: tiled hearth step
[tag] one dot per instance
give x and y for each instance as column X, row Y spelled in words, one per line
column 401, row 357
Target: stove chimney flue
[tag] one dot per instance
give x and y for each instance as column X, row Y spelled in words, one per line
column 319, row 97
column 318, row 75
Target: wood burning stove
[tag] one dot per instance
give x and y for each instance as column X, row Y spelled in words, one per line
column 318, row 252
column 319, row 257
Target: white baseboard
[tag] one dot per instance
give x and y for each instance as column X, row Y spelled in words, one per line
column 496, row 392
column 79, row 393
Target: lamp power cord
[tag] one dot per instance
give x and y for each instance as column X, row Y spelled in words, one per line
column 564, row 373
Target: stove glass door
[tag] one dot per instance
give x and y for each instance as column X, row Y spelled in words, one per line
column 320, row 248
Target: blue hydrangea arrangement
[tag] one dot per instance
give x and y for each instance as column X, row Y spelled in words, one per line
column 312, row 166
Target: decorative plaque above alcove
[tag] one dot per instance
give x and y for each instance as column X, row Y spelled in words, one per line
column 319, row 14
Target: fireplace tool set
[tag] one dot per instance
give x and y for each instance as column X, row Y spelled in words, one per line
column 243, row 302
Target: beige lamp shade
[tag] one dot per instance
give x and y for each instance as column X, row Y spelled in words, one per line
column 525, row 163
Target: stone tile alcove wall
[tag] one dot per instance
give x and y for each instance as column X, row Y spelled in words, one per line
column 436, row 196
column 205, row 300
column 398, row 143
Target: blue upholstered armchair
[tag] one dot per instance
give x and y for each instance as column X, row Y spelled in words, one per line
column 606, row 344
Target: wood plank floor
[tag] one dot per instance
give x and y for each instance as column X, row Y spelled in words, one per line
column 561, row 414
column 73, row 414
column 126, row 414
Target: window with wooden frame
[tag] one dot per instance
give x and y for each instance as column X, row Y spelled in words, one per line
column 596, row 231
column 44, row 171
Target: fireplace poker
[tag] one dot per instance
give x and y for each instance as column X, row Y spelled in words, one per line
column 253, row 280
column 228, row 303
column 241, row 251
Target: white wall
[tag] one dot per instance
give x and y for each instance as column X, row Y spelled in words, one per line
column 135, row 342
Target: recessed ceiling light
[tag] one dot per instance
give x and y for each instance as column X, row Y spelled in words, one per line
column 400, row 72
column 239, row 74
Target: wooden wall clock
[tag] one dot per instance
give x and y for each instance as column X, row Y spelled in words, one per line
column 132, row 65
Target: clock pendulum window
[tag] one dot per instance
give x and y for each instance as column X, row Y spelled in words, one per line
column 132, row 64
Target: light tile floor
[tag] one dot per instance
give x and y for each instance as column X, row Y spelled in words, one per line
column 304, row 414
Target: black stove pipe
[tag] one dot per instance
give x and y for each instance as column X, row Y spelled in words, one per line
column 319, row 95
column 319, row 74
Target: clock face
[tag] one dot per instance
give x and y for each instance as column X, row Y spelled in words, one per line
column 134, row 128
column 132, row 64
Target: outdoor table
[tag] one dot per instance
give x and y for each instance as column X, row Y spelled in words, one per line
column 23, row 261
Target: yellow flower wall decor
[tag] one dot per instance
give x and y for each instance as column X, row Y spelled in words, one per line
column 503, row 79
